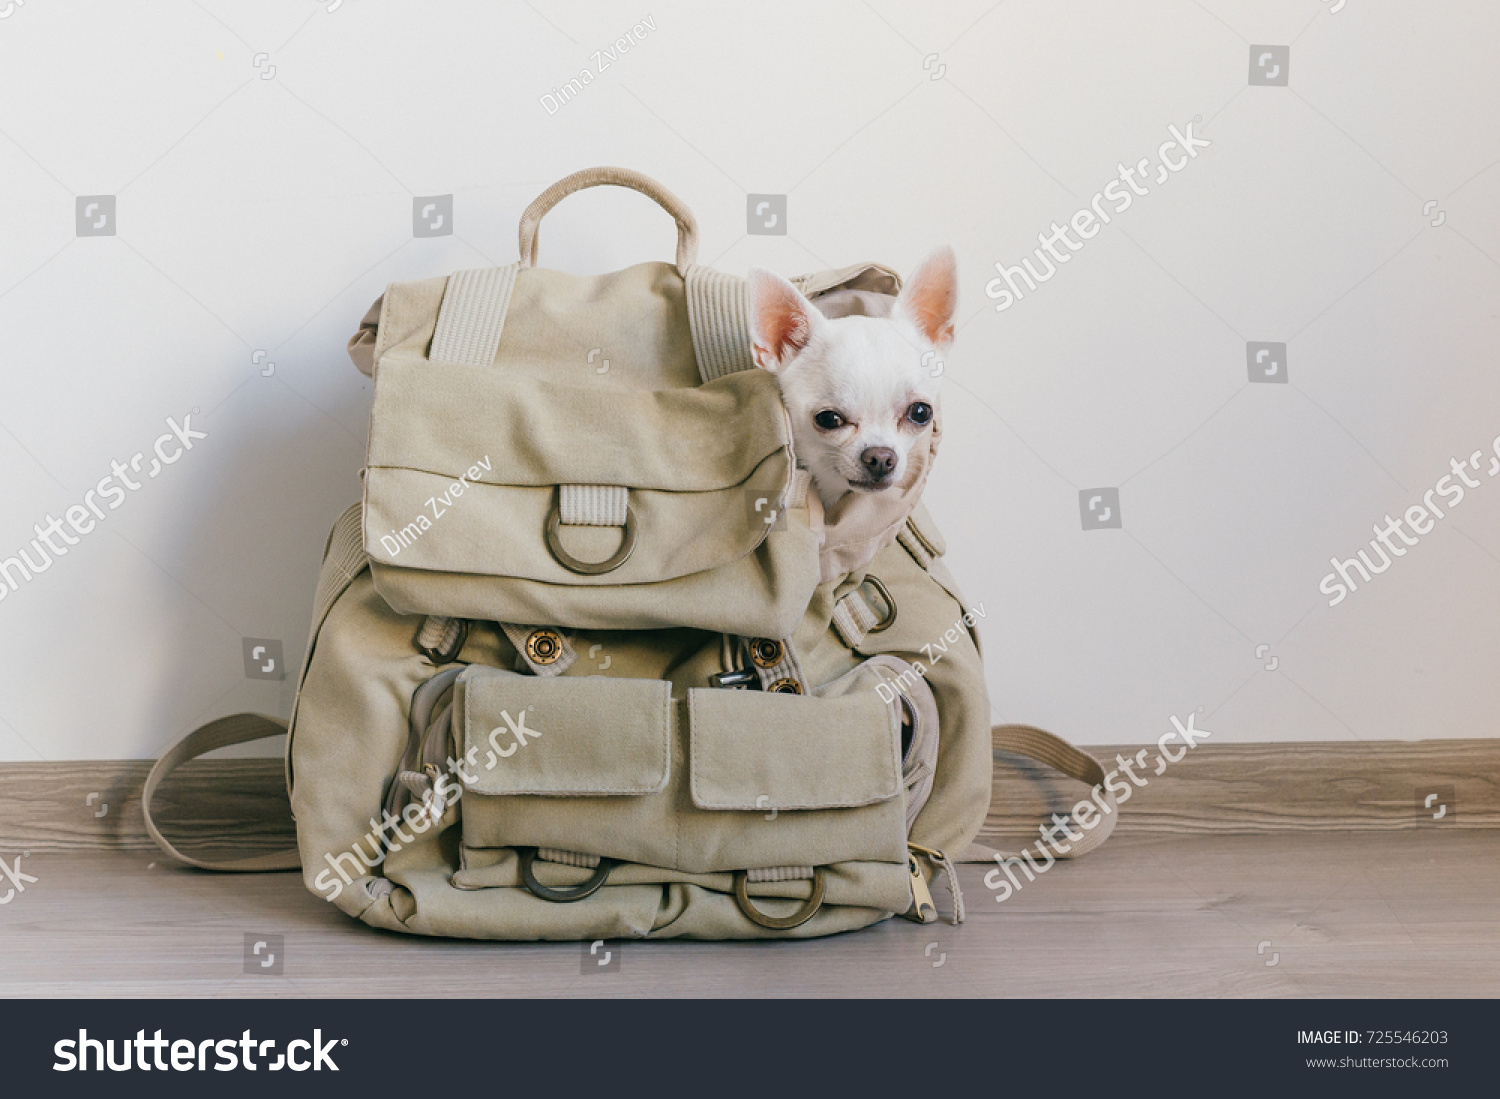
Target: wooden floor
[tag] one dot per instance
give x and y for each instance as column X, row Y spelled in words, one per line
column 1405, row 914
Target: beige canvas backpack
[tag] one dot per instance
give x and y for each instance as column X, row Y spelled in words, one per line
column 588, row 661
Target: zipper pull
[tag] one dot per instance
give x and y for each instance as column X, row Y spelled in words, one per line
column 922, row 909
column 932, row 853
column 738, row 677
column 941, row 861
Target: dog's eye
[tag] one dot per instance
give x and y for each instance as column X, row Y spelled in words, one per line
column 829, row 420
column 919, row 413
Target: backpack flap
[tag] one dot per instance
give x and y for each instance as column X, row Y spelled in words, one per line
column 510, row 478
column 516, row 500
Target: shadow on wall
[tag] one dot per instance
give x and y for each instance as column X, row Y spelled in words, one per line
column 276, row 473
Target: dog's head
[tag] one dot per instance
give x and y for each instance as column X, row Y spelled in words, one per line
column 861, row 391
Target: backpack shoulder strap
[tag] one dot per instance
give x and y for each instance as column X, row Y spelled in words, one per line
column 1057, row 753
column 343, row 559
column 718, row 316
column 235, row 729
column 471, row 317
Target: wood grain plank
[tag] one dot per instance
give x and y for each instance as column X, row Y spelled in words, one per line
column 1252, row 789
column 212, row 805
column 1346, row 914
column 207, row 805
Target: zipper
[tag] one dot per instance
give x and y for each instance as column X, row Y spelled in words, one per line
column 922, row 908
column 919, row 734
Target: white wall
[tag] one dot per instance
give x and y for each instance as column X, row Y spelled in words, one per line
column 261, row 211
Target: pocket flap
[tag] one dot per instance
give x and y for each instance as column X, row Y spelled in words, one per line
column 753, row 750
column 574, row 736
column 464, row 465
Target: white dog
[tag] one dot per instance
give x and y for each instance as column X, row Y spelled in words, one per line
column 861, row 390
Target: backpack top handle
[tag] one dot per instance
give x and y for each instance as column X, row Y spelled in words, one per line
column 687, row 225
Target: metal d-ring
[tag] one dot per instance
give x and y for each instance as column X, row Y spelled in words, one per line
column 779, row 923
column 572, row 893
column 445, row 654
column 889, row 620
column 587, row 568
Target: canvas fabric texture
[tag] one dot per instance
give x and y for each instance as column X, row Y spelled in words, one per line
column 521, row 712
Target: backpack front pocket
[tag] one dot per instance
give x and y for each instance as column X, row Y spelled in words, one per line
column 588, row 768
column 571, row 763
column 778, row 780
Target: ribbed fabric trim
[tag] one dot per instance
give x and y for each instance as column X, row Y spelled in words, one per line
column 440, row 634
column 853, row 619
column 718, row 314
column 567, row 858
column 593, row 505
column 913, row 544
column 779, row 873
column 344, row 560
column 472, row 315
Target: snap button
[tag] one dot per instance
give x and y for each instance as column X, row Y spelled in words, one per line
column 785, row 687
column 765, row 652
column 544, row 646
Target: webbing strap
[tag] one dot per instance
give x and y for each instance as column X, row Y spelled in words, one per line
column 593, row 505
column 916, row 545
column 344, row 558
column 235, row 729
column 855, row 617
column 472, row 316
column 440, row 638
column 718, row 314
column 779, row 873
column 1057, row 753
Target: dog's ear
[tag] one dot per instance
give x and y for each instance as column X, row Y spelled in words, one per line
column 782, row 321
column 930, row 296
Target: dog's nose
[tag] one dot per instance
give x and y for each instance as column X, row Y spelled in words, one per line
column 878, row 461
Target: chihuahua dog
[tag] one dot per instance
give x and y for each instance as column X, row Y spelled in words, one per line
column 861, row 390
